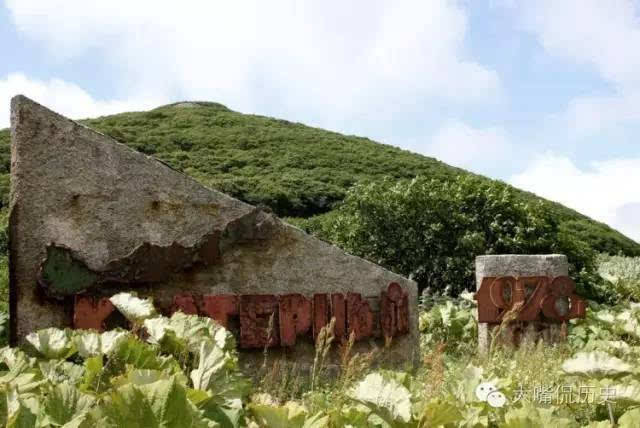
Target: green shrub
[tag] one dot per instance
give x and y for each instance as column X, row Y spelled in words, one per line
column 450, row 322
column 432, row 230
column 622, row 275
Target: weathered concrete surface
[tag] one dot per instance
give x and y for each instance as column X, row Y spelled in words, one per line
column 124, row 216
column 551, row 265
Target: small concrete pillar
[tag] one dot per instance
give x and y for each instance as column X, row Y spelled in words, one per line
column 551, row 265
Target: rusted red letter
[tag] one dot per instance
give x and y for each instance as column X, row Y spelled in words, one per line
column 394, row 311
column 220, row 308
column 533, row 288
column 487, row 311
column 255, row 312
column 91, row 312
column 359, row 316
column 339, row 312
column 535, row 294
column 184, row 303
column 294, row 317
column 321, row 312
column 561, row 302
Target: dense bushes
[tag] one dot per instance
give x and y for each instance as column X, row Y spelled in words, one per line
column 622, row 275
column 432, row 230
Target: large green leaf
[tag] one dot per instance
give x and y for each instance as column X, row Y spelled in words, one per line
column 56, row 371
column 63, row 403
column 20, row 413
column 228, row 414
column 132, row 351
column 291, row 414
column 15, row 359
column 438, row 412
column 628, row 393
column 319, row 420
column 52, row 343
column 212, row 361
column 465, row 388
column 529, row 416
column 91, row 344
column 189, row 329
column 159, row 404
column 385, row 397
column 93, row 371
column 143, row 376
column 356, row 416
column 22, row 373
column 111, row 340
column 133, row 308
column 631, row 419
column 596, row 364
column 87, row 343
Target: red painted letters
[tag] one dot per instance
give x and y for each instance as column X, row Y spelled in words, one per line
column 291, row 315
column 536, row 297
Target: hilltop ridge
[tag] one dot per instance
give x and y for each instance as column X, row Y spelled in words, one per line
column 296, row 170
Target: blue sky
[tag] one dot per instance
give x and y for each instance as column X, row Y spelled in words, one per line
column 544, row 95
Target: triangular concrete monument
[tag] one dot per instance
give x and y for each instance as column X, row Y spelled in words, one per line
column 90, row 217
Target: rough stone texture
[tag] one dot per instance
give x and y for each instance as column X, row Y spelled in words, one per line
column 550, row 265
column 122, row 215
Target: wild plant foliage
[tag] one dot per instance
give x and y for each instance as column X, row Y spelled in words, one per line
column 183, row 371
column 622, row 275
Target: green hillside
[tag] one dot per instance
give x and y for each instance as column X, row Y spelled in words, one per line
column 298, row 171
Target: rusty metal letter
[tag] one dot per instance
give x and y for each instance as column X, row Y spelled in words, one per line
column 532, row 295
column 339, row 312
column 184, row 303
column 359, row 316
column 91, row 312
column 294, row 317
column 220, row 308
column 255, row 312
column 394, row 311
column 321, row 313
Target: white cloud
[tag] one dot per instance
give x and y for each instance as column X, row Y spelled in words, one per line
column 607, row 191
column 476, row 149
column 331, row 59
column 63, row 97
column 590, row 115
column 602, row 35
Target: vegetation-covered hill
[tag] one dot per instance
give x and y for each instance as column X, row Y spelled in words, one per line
column 298, row 171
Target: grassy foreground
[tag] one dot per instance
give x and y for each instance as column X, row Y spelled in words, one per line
column 183, row 371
